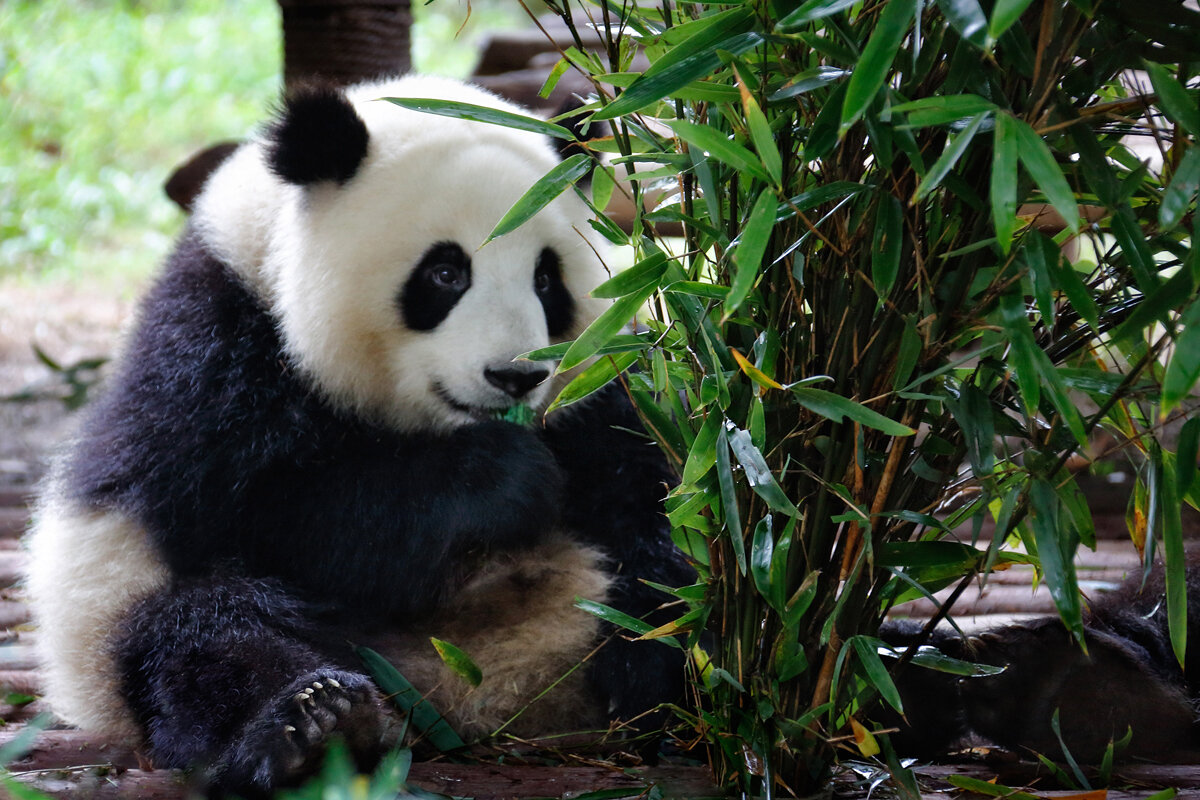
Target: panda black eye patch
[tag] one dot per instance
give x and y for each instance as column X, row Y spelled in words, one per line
column 557, row 302
column 442, row 277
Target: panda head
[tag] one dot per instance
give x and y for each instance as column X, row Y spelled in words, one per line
column 360, row 224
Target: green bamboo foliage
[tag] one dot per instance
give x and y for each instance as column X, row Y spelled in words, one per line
column 867, row 334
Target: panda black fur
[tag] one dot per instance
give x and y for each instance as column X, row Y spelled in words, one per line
column 296, row 452
column 1129, row 679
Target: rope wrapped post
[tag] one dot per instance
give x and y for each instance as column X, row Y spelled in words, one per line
column 345, row 41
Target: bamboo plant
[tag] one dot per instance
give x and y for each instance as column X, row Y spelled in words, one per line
column 897, row 263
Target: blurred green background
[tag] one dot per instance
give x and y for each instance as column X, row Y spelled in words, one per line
column 101, row 99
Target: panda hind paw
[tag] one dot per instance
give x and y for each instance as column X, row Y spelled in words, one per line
column 286, row 742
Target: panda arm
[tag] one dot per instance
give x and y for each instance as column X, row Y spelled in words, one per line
column 410, row 511
column 208, row 438
column 616, row 481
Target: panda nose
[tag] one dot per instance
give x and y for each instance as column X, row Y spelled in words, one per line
column 516, row 381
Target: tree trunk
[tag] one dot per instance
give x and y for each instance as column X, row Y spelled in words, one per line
column 344, row 41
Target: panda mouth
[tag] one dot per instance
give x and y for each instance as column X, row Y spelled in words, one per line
column 475, row 412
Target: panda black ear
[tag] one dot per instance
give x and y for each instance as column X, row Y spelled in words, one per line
column 318, row 136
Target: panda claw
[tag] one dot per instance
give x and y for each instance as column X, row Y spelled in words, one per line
column 290, row 739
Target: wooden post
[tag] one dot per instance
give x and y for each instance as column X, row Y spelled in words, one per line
column 345, row 41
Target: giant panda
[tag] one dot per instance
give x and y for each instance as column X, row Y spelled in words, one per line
column 298, row 452
column 1128, row 681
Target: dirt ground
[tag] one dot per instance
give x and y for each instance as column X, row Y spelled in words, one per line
column 70, row 323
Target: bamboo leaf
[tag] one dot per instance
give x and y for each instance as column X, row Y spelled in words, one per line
column 492, row 116
column 1038, row 159
column 1080, row 297
column 1128, row 233
column 1021, row 352
column 966, row 17
column 692, row 59
column 870, row 73
column 459, row 662
column 836, row 407
column 1184, row 368
column 778, row 569
column 1174, row 556
column 867, row 650
column 955, row 147
column 622, row 343
column 909, row 354
column 644, row 273
column 699, row 91
column 1041, row 256
column 1181, row 194
column 823, row 134
column 714, row 143
column 973, row 413
column 24, row 740
column 764, row 140
column 808, row 80
column 410, row 701
column 942, row 109
column 1175, row 100
column 758, row 474
column 931, row 658
column 1186, row 455
column 1057, row 565
column 819, row 196
column 604, row 327
column 801, row 600
column 702, row 455
column 754, row 373
column 812, row 10
column 1155, row 306
column 748, row 255
column 887, row 245
column 864, row 740
column 729, row 504
column 989, row 789
column 686, row 624
column 613, row 616
column 929, row 554
column 1003, row 187
column 542, row 193
column 593, row 379
column 709, row 291
column 560, row 69
column 1033, row 368
column 603, row 184
column 761, row 549
column 1004, row 14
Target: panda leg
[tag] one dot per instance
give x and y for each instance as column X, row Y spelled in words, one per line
column 232, row 676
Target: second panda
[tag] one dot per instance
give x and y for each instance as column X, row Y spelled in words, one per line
column 298, row 450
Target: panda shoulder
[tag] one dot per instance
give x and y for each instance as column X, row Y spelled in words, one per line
column 238, row 208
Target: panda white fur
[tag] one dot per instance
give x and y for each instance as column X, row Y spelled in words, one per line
column 297, row 451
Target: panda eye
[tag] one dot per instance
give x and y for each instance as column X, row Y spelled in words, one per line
column 448, row 276
column 552, row 293
column 441, row 278
column 542, row 281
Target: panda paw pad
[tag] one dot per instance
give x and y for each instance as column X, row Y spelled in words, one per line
column 317, row 711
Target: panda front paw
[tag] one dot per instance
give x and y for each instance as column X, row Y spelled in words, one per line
column 286, row 741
